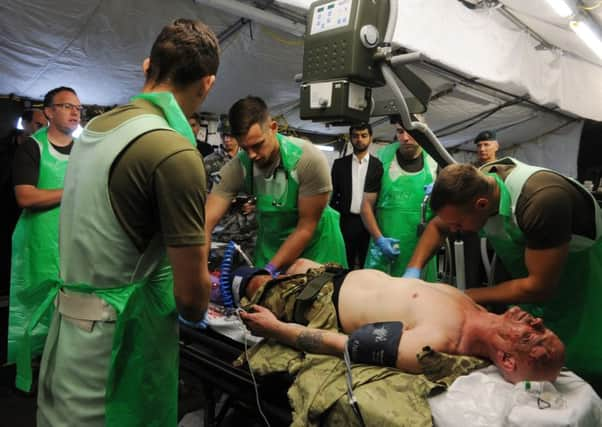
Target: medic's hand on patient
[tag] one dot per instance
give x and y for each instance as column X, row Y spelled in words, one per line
column 412, row 273
column 271, row 268
column 388, row 246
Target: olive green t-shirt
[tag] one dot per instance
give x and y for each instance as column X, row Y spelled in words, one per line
column 156, row 184
column 312, row 171
column 551, row 209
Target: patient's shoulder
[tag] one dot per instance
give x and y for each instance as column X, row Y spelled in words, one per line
column 301, row 265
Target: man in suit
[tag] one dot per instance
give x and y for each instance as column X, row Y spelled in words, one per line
column 349, row 175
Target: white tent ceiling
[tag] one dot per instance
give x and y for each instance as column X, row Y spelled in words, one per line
column 97, row 47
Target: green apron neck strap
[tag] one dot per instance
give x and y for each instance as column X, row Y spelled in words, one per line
column 387, row 153
column 24, row 375
column 505, row 206
column 41, row 134
column 172, row 111
column 290, row 152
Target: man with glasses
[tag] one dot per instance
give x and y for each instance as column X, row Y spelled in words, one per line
column 38, row 173
column 391, row 207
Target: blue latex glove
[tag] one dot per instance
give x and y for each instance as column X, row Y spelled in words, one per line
column 271, row 268
column 388, row 246
column 412, row 273
column 201, row 324
column 428, row 188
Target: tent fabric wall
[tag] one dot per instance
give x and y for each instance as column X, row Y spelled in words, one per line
column 97, row 47
column 554, row 151
column 484, row 44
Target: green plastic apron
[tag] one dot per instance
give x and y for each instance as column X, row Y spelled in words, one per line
column 277, row 212
column 398, row 213
column 574, row 313
column 35, row 256
column 140, row 370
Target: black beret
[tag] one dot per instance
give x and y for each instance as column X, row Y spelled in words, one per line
column 486, row 135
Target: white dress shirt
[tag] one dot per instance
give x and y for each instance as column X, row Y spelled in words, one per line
column 359, row 168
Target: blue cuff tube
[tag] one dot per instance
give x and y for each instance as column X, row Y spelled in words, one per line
column 412, row 273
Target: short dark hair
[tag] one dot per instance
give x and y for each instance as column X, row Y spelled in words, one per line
column 245, row 113
column 184, row 52
column 458, row 185
column 360, row 126
column 49, row 97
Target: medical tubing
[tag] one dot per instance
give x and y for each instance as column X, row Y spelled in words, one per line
column 392, row 83
column 349, row 379
column 255, row 386
column 225, row 278
column 243, row 254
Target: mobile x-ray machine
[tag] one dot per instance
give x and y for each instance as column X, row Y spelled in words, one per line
column 348, row 52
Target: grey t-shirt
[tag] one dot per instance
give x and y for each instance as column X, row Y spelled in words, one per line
column 312, row 171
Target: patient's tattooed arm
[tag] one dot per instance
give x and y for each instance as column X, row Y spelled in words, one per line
column 262, row 322
column 310, row 340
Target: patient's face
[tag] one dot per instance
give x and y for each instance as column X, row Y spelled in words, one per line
column 538, row 351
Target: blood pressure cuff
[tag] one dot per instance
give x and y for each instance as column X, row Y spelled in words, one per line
column 376, row 343
column 241, row 277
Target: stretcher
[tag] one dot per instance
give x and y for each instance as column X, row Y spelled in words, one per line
column 481, row 398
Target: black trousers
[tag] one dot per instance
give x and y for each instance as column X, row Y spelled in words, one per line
column 356, row 239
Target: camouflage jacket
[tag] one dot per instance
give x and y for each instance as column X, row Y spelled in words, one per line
column 386, row 396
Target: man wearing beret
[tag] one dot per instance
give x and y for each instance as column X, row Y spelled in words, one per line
column 487, row 146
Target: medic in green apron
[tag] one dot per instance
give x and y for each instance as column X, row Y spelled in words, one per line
column 111, row 357
column 394, row 225
column 140, row 345
column 290, row 225
column 561, row 283
column 573, row 311
column 35, row 257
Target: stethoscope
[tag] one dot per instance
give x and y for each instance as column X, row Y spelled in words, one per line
column 280, row 201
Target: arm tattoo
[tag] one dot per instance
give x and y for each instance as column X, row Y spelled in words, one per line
column 310, row 341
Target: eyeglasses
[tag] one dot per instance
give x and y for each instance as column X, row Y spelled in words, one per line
column 70, row 107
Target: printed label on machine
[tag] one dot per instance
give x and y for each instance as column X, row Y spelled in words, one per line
column 331, row 15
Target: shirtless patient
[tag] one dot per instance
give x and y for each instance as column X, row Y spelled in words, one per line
column 416, row 314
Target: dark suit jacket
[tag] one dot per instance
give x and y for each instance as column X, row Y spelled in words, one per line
column 342, row 184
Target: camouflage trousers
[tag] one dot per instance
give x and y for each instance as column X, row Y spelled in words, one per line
column 386, row 396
